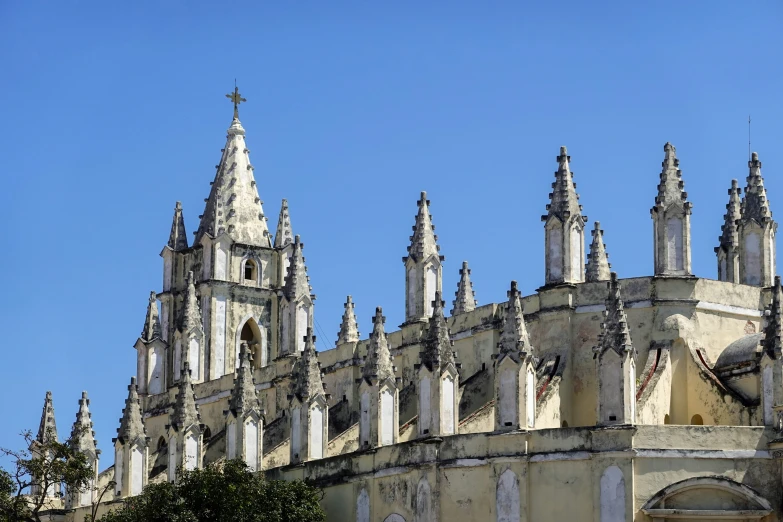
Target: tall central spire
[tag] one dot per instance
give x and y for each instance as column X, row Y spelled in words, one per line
column 233, row 206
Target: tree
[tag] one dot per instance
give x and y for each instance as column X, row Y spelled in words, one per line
column 231, row 493
column 38, row 473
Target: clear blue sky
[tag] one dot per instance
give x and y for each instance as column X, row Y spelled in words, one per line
column 111, row 112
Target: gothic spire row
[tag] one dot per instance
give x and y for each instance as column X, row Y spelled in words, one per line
column 564, row 228
column 671, row 219
column 349, row 330
column 233, row 206
column 465, row 296
column 598, row 267
column 178, row 239
column 756, row 230
column 728, row 242
column 423, row 266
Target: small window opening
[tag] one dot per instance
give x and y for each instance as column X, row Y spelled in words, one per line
column 251, row 270
column 696, row 420
column 565, row 424
column 612, row 417
column 509, row 424
column 667, row 419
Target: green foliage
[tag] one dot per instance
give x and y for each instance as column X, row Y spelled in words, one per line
column 47, row 466
column 230, row 494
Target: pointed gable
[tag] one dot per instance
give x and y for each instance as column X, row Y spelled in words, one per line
column 465, row 296
column 598, row 267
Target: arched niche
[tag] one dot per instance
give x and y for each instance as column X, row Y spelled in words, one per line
column 707, row 498
column 255, row 337
column 394, row 517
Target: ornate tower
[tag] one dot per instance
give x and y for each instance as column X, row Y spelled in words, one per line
column 564, row 227
column 728, row 246
column 185, row 430
column 423, row 266
column 379, row 422
column 47, row 432
column 83, row 440
column 598, row 267
column 235, row 272
column 309, row 409
column 465, row 296
column 615, row 363
column 151, row 353
column 515, row 373
column 438, row 379
column 671, row 220
column 296, row 304
column 131, row 448
column 756, row 231
column 244, row 418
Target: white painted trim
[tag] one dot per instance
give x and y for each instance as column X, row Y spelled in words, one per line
column 466, row 463
column 703, row 454
column 737, row 310
column 639, row 304
column 213, row 398
column 560, row 456
column 389, row 472
column 586, row 309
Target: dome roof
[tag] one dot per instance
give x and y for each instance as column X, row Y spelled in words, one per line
column 743, row 350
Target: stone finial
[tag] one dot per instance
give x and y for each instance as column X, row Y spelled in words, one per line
column 233, row 206
column 307, row 373
column 598, row 267
column 82, row 435
column 424, row 242
column 297, row 283
column 563, row 200
column 48, row 427
column 349, row 330
column 284, row 235
column 378, row 365
column 773, row 327
column 514, row 339
column 438, row 348
column 465, row 296
column 244, row 397
column 178, row 238
column 151, row 328
column 185, row 413
column 671, row 189
column 729, row 237
column 131, row 423
column 191, row 314
column 755, row 205
column 614, row 329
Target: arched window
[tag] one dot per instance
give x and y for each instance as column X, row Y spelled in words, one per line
column 696, row 420
column 250, row 271
column 252, row 335
column 161, row 444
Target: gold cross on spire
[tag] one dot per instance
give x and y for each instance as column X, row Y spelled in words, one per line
column 237, row 99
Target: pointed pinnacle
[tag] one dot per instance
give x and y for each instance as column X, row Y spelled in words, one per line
column 131, row 424
column 244, row 397
column 564, row 201
column 438, row 347
column 465, row 296
column 284, row 235
column 82, row 435
column 296, row 281
column 614, row 329
column 191, row 315
column 514, row 338
column 185, row 412
column 349, row 330
column 598, row 267
column 307, row 383
column 671, row 189
column 48, row 426
column 729, row 237
column 151, row 328
column 755, row 205
column 424, row 242
column 178, row 239
column 378, row 364
column 773, row 327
